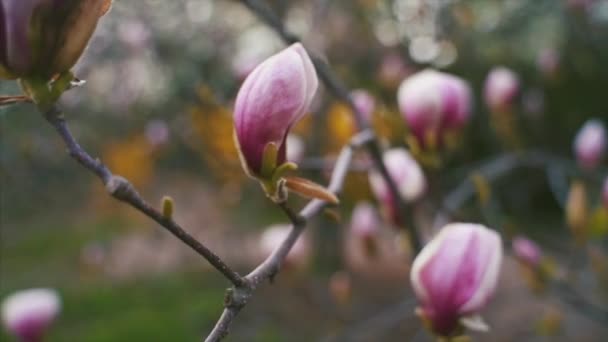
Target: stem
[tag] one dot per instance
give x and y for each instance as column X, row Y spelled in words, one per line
column 123, row 190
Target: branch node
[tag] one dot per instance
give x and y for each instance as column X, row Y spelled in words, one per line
column 120, row 188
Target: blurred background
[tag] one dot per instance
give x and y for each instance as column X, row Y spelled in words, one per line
column 157, row 108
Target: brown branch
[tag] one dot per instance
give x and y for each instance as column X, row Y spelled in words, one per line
column 500, row 167
column 237, row 297
column 341, row 92
column 123, row 190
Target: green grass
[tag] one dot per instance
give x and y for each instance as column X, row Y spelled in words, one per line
column 179, row 306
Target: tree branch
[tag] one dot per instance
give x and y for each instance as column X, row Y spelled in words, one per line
column 341, row 92
column 236, row 298
column 123, row 190
column 500, row 167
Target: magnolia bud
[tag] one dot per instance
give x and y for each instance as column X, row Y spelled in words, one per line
column 527, row 251
column 432, row 101
column 340, row 287
column 275, row 96
column 548, row 62
column 365, row 226
column 577, row 211
column 274, row 236
column 365, row 103
column 405, row 172
column 392, row 70
column 295, row 148
column 42, row 38
column 28, row 314
column 455, row 275
column 590, row 144
column 500, row 89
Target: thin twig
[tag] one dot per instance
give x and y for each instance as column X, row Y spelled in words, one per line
column 497, row 168
column 237, row 298
column 340, row 91
column 123, row 190
column 500, row 167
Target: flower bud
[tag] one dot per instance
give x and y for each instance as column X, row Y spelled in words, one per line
column 577, row 211
column 295, row 148
column 28, row 314
column 274, row 236
column 527, row 251
column 340, row 287
column 455, row 275
column 405, row 172
column 364, row 102
column 500, row 89
column 42, row 38
column 365, row 226
column 548, row 62
column 590, row 144
column 273, row 98
column 431, row 102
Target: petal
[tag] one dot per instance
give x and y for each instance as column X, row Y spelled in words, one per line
column 18, row 51
column 271, row 99
column 458, row 270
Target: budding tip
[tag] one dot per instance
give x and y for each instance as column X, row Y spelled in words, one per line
column 167, row 207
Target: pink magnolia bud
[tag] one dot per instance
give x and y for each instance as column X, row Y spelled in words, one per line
column 455, row 275
column 295, row 148
column 275, row 96
column 364, row 222
column 407, row 175
column 457, row 102
column 274, row 236
column 364, row 102
column 365, row 228
column 526, row 250
column 157, row 132
column 431, row 101
column 392, row 69
column 590, row 144
column 41, row 38
column 500, row 89
column 28, row 314
column 548, row 62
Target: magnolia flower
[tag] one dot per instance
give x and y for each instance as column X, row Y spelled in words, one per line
column 157, row 132
column 392, row 69
column 364, row 222
column 295, row 148
column 455, row 275
column 432, row 102
column 273, row 98
column 27, row 314
column 526, row 250
column 274, row 236
column 406, row 173
column 42, row 38
column 548, row 62
column 590, row 144
column 364, row 102
column 500, row 89
column 365, row 226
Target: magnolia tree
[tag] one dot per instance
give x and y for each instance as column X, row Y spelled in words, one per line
column 455, row 266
